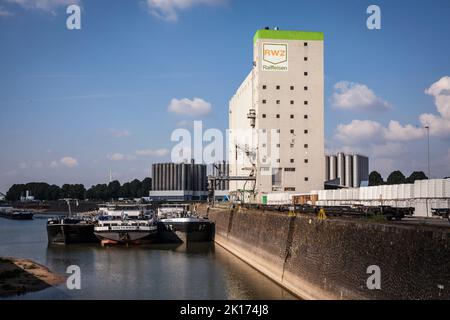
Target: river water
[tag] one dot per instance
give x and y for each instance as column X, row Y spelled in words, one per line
column 198, row 271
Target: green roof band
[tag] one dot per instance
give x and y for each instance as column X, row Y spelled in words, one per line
column 287, row 35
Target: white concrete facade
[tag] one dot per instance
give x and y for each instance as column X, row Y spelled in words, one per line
column 282, row 144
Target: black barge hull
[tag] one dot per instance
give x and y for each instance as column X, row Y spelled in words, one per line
column 182, row 232
column 71, row 233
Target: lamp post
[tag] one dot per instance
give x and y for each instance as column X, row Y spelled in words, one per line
column 428, row 151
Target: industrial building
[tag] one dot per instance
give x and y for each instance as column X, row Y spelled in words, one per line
column 179, row 182
column 222, row 186
column 422, row 195
column 276, row 117
column 347, row 170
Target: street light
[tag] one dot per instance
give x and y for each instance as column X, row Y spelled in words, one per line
column 428, row 138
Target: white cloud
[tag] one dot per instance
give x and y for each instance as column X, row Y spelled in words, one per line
column 196, row 107
column 43, row 5
column 153, row 152
column 120, row 157
column 5, row 13
column 119, row 133
column 68, row 162
column 396, row 132
column 439, row 124
column 168, row 9
column 359, row 131
column 356, row 96
column 116, row 157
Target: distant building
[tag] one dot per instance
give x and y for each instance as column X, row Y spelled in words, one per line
column 27, row 198
column 347, row 170
column 179, row 182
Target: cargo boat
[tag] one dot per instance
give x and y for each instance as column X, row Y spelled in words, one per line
column 70, row 230
column 177, row 224
column 125, row 225
column 185, row 229
column 16, row 215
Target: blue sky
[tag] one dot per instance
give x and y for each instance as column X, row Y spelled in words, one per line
column 75, row 103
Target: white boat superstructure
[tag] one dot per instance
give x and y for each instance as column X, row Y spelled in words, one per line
column 173, row 211
column 125, row 224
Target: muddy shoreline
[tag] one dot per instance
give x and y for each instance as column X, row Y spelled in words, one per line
column 21, row 276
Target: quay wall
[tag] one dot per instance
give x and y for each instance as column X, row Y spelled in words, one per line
column 329, row 259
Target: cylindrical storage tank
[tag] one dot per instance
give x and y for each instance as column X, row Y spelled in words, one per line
column 349, row 171
column 341, row 168
column 173, row 176
column 333, row 167
column 167, row 176
column 183, row 176
column 153, row 176
column 194, row 177
column 356, row 172
column 177, row 176
column 327, row 168
column 156, row 176
column 190, row 177
column 199, row 177
column 163, row 176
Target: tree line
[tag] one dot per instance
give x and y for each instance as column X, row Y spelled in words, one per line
column 396, row 177
column 104, row 192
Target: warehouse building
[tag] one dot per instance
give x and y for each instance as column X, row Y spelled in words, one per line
column 347, row 170
column 178, row 182
column 276, row 117
column 422, row 195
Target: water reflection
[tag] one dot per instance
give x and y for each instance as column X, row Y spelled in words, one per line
column 172, row 271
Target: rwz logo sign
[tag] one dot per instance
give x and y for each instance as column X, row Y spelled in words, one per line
column 275, row 57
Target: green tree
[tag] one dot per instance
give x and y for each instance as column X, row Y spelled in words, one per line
column 396, row 177
column 375, row 179
column 416, row 175
column 146, row 187
column 114, row 189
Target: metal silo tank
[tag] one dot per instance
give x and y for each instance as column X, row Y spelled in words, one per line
column 356, row 171
column 349, row 171
column 327, row 168
column 179, row 186
column 341, row 168
column 333, row 167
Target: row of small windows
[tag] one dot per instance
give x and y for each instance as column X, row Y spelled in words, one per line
column 291, row 87
column 264, row 116
column 292, row 131
column 279, row 146
column 292, row 161
column 292, row 102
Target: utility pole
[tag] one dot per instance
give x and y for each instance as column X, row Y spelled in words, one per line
column 428, row 151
